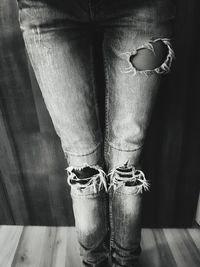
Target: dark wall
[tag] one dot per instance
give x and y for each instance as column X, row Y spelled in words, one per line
column 33, row 187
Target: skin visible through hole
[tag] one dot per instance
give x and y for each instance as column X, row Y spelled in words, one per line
column 86, row 172
column 145, row 59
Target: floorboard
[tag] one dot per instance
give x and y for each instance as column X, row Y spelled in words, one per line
column 41, row 246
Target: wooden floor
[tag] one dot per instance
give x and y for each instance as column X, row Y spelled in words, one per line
column 57, row 246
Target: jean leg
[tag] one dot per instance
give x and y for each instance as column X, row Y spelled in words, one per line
column 60, row 49
column 140, row 31
column 134, row 31
column 125, row 205
column 90, row 205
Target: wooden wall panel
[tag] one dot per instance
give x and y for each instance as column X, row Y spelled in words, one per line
column 11, row 179
column 37, row 147
column 33, row 188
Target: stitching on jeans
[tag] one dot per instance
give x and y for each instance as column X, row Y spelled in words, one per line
column 125, row 150
column 106, row 133
column 94, row 88
column 81, row 155
column 106, row 130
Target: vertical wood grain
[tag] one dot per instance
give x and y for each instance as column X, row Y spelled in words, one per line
column 150, row 256
column 6, row 216
column 47, row 246
column 37, row 147
column 30, row 250
column 58, row 247
column 183, row 252
column 9, row 239
column 195, row 235
column 11, row 176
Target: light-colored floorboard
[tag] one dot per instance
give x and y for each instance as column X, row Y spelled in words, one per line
column 40, row 246
column 150, row 256
column 183, row 254
column 195, row 234
column 9, row 239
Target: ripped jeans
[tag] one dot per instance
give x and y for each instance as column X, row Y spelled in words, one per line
column 106, row 183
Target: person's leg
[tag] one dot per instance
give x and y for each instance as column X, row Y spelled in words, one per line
column 90, row 205
column 58, row 43
column 137, row 51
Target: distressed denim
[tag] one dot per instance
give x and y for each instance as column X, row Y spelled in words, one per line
column 125, row 204
column 90, row 206
column 59, row 40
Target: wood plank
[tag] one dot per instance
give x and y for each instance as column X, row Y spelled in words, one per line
column 11, row 176
column 36, row 181
column 165, row 253
column 9, row 239
column 47, row 246
column 30, row 250
column 58, row 247
column 195, row 234
column 182, row 253
column 190, row 246
column 6, row 216
column 73, row 258
column 150, row 256
column 59, row 252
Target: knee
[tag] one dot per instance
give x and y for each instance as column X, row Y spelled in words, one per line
column 86, row 179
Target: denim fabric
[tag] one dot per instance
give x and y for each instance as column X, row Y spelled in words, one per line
column 59, row 39
column 91, row 217
column 125, row 204
column 125, row 220
column 91, row 211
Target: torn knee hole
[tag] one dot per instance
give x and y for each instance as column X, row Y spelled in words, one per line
column 85, row 172
column 86, row 176
column 149, row 59
column 128, row 176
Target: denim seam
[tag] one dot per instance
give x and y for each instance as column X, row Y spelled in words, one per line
column 111, row 221
column 82, row 155
column 106, row 133
column 106, row 130
column 101, row 195
column 127, row 193
column 94, row 87
column 105, row 203
column 124, row 150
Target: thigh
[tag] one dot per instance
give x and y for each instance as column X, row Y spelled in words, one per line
column 133, row 28
column 60, row 50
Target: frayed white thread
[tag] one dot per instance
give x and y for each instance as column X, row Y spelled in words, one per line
column 130, row 67
column 166, row 65
column 36, row 33
column 138, row 178
column 97, row 181
column 148, row 46
column 164, row 68
column 39, row 34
